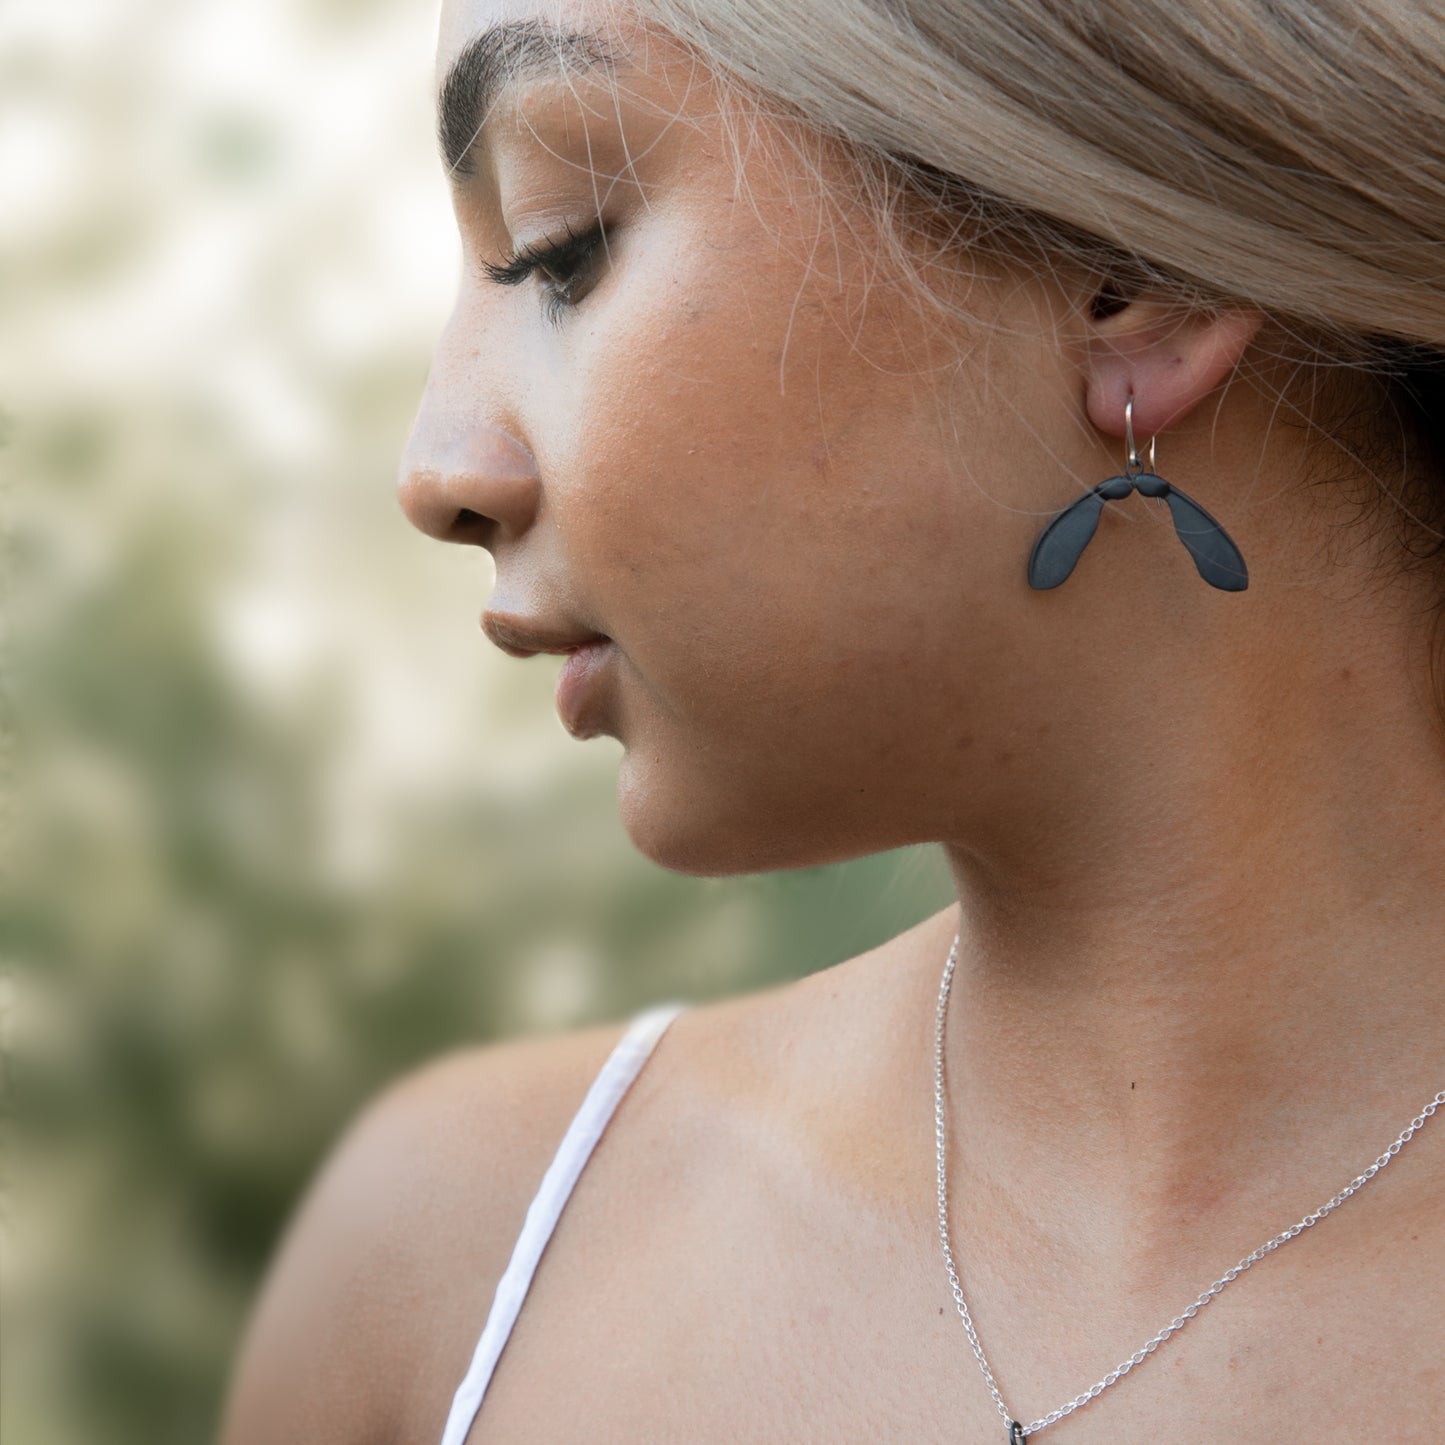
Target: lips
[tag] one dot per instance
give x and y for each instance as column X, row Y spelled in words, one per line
column 527, row 636
column 580, row 687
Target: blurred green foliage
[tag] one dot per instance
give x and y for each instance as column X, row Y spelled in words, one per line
column 252, row 871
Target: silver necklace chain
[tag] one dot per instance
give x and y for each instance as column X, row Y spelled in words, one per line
column 1016, row 1429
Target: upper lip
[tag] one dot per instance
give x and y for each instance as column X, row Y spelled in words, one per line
column 525, row 636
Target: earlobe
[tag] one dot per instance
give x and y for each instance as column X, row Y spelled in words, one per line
column 1167, row 360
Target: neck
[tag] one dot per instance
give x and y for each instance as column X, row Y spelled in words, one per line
column 1202, row 975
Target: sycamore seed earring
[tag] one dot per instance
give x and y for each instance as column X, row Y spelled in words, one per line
column 1060, row 545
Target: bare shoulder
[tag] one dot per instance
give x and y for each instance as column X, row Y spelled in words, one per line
column 387, row 1269
column 375, row 1300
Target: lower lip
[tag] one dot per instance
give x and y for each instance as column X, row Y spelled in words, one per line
column 578, row 687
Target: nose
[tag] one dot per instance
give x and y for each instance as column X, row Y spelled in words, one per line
column 464, row 479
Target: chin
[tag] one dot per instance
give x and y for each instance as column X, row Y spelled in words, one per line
column 707, row 830
column 684, row 836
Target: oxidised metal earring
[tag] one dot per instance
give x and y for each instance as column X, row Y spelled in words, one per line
column 1062, row 542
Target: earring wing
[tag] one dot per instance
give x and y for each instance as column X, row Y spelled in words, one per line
column 1060, row 545
column 1217, row 558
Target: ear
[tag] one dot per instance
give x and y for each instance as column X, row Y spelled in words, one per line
column 1167, row 358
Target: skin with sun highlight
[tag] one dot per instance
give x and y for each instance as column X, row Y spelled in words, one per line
column 670, row 496
column 1195, row 835
column 668, row 505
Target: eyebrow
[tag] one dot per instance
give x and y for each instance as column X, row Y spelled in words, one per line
column 498, row 57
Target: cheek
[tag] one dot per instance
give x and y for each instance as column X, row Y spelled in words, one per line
column 809, row 539
column 755, row 505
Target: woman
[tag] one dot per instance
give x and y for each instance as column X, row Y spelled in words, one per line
column 805, row 366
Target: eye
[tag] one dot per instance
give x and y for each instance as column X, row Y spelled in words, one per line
column 567, row 267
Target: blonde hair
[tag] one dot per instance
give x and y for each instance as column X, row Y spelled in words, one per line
column 1287, row 152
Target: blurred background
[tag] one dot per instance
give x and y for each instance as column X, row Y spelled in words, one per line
column 278, row 823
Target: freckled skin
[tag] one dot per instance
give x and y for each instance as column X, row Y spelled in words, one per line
column 1195, row 837
column 1196, row 841
column 758, row 472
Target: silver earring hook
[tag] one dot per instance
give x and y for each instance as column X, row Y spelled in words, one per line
column 1133, row 465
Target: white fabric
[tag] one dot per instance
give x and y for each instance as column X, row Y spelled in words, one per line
column 616, row 1076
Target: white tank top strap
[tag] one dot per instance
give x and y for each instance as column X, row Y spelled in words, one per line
column 616, row 1076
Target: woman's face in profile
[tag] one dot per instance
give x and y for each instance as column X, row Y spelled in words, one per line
column 690, row 411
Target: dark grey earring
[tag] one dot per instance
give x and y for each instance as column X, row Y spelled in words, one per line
column 1060, row 545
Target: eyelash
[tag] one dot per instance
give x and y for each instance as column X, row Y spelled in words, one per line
column 568, row 256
